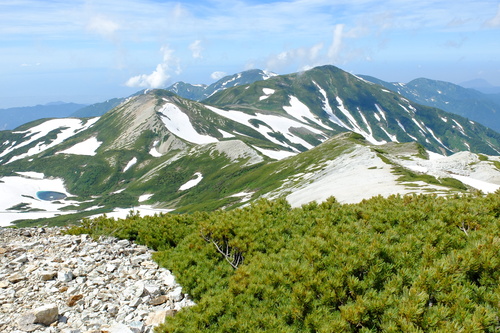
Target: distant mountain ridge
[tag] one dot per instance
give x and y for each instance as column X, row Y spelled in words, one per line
column 481, row 85
column 469, row 103
column 198, row 92
column 13, row 117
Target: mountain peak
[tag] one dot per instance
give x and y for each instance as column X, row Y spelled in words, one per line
column 200, row 92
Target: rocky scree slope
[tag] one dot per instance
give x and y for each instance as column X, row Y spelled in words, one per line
column 52, row 282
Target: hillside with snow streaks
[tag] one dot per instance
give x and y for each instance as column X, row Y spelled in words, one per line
column 355, row 126
column 301, row 112
column 274, row 123
column 66, row 129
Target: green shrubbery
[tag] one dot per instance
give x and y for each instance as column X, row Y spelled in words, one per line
column 401, row 264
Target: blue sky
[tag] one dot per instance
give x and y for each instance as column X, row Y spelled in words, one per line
column 90, row 51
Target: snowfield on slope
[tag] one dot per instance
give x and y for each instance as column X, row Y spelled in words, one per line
column 86, row 148
column 179, row 124
column 464, row 166
column 350, row 178
column 21, row 189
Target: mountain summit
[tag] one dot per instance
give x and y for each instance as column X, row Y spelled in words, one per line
column 200, row 92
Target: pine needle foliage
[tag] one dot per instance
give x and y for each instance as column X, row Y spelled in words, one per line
column 418, row 263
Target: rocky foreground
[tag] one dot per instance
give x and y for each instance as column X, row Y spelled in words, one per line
column 50, row 282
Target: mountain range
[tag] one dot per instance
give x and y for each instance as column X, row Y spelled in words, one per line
column 304, row 136
column 469, row 103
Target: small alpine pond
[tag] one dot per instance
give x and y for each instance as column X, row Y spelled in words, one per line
column 50, row 195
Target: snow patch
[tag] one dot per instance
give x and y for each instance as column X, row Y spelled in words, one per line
column 478, row 184
column 143, row 210
column 268, row 75
column 355, row 126
column 191, row 183
column 180, row 125
column 31, row 174
column 267, row 92
column 226, row 135
column 245, row 196
column 131, row 163
column 328, row 109
column 392, row 137
column 278, row 124
column 87, row 148
column 437, row 139
column 145, row 197
column 153, row 151
column 381, row 111
column 15, row 190
column 275, row 154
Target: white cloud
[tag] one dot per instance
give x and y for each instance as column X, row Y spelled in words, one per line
column 103, row 26
column 218, row 75
column 196, row 49
column 160, row 76
column 30, row 65
column 495, row 21
column 334, row 50
column 302, row 58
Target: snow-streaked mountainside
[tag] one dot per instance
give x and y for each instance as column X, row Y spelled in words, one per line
column 305, row 136
column 198, row 92
column 469, row 103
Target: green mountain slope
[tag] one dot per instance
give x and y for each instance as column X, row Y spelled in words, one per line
column 341, row 101
column 469, row 103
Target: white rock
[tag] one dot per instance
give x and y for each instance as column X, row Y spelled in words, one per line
column 119, row 328
column 46, row 314
column 64, row 276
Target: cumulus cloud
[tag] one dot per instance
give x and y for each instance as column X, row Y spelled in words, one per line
column 196, row 49
column 160, row 76
column 218, row 75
